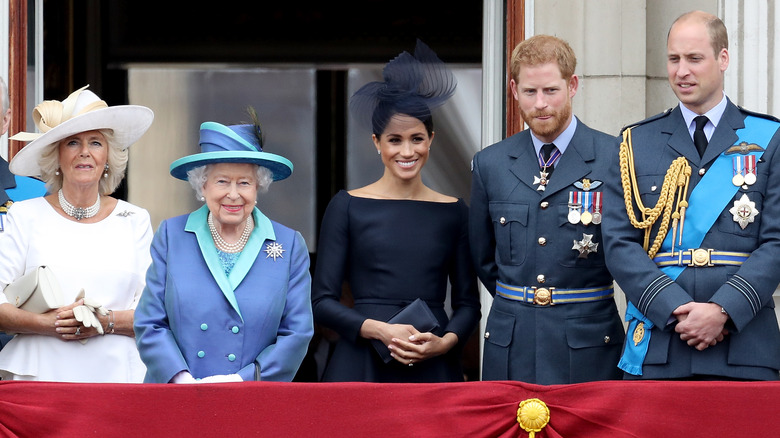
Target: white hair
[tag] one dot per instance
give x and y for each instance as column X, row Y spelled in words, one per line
column 198, row 176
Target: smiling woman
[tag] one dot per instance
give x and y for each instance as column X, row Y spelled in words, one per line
column 215, row 309
column 396, row 241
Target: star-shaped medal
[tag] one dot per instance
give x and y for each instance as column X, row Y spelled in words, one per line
column 585, row 246
column 541, row 180
column 274, row 250
column 744, row 211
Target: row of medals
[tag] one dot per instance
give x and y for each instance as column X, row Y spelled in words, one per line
column 744, row 180
column 586, row 217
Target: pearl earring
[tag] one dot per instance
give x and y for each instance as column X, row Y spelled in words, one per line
column 202, row 198
column 57, row 172
column 105, row 175
column 378, row 152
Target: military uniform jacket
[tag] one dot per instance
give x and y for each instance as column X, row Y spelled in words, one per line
column 521, row 236
column 257, row 322
column 752, row 349
column 18, row 188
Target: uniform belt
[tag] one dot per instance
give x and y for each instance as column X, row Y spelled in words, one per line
column 548, row 296
column 700, row 257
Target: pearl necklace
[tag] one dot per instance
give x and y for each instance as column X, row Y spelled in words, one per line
column 78, row 213
column 231, row 247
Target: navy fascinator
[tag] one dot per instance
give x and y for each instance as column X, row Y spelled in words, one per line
column 413, row 85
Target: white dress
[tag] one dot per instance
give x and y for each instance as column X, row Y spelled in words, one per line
column 108, row 259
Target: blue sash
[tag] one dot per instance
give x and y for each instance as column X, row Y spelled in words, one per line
column 712, row 191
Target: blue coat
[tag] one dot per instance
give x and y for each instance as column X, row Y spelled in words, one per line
column 518, row 234
column 257, row 322
column 752, row 350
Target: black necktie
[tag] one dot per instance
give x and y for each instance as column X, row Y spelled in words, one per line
column 699, row 138
column 547, row 151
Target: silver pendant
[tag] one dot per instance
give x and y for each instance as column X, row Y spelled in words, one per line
column 541, row 180
column 585, row 246
column 744, row 211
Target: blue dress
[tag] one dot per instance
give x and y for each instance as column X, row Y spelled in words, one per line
column 255, row 321
column 390, row 252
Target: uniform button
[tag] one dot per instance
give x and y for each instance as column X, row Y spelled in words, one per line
column 201, row 353
column 204, row 327
column 542, row 241
column 502, row 221
column 544, row 204
column 607, row 339
column 540, row 278
column 487, row 335
column 702, row 171
column 234, row 329
column 653, row 188
column 231, row 357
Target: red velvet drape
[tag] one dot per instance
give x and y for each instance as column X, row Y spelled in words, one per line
column 476, row 409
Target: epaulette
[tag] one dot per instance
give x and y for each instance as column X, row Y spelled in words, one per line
column 762, row 115
column 648, row 120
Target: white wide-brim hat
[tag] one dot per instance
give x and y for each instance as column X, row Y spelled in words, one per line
column 82, row 111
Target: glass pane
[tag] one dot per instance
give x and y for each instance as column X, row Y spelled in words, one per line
column 183, row 98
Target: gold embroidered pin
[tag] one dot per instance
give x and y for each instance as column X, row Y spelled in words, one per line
column 587, row 184
column 743, row 148
column 639, row 333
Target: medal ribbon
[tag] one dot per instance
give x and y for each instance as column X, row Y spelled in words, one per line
column 574, row 201
column 551, row 162
column 586, row 201
column 750, row 164
column 737, row 165
column 597, row 202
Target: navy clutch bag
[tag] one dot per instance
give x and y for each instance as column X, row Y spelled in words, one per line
column 417, row 314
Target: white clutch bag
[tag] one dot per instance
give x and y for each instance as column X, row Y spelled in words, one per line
column 37, row 291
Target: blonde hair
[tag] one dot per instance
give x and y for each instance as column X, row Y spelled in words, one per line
column 49, row 163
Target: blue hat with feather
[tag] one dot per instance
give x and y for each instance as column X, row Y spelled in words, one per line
column 232, row 144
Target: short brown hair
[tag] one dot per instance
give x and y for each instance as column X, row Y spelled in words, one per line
column 719, row 36
column 541, row 49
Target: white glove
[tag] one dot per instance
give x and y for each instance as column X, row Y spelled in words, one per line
column 87, row 318
column 95, row 306
column 183, row 377
column 221, row 378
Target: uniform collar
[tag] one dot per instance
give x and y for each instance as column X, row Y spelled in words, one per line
column 562, row 141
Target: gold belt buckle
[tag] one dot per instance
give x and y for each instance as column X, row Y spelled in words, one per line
column 543, row 296
column 701, row 257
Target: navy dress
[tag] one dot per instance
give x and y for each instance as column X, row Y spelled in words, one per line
column 388, row 253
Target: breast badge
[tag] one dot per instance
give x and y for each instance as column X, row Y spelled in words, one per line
column 585, row 246
column 743, row 148
column 744, row 211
